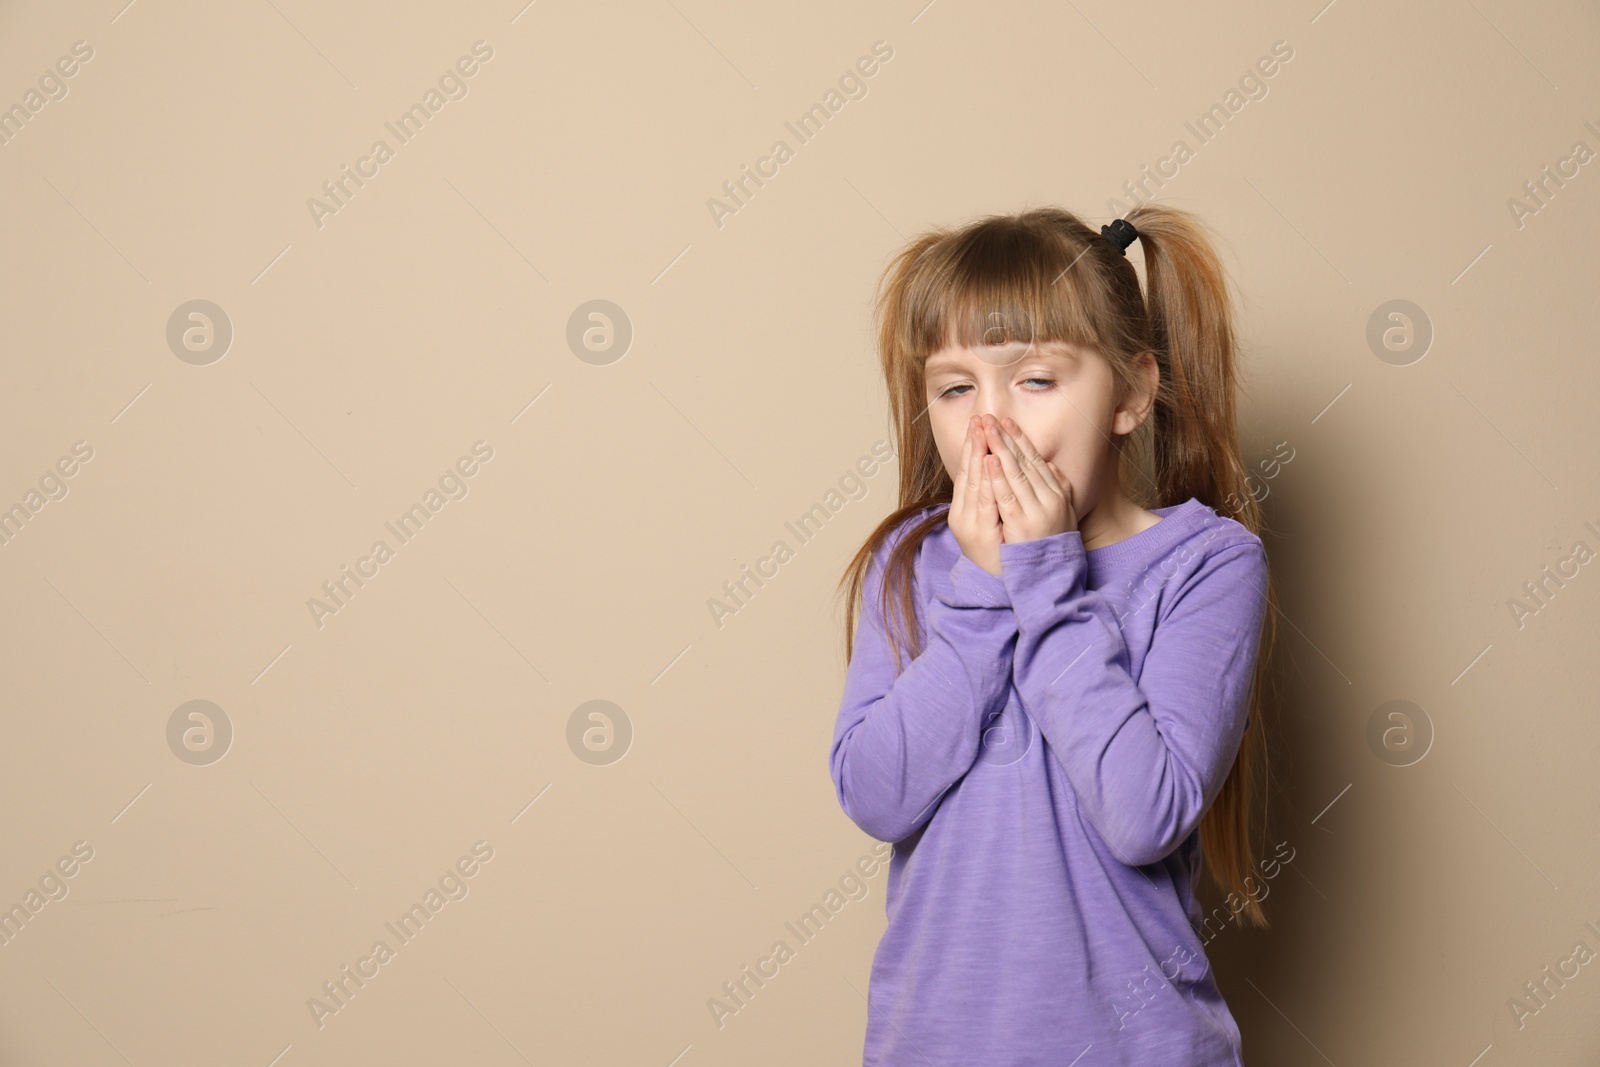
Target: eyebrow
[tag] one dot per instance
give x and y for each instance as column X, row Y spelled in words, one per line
column 1053, row 349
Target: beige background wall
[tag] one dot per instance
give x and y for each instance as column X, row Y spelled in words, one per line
column 444, row 704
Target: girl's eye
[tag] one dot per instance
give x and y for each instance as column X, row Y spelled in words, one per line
column 1047, row 383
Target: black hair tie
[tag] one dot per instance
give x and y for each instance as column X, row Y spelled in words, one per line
column 1121, row 234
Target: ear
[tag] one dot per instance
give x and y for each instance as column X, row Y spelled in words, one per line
column 1140, row 398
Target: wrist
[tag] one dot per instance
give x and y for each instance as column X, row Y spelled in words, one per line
column 972, row 585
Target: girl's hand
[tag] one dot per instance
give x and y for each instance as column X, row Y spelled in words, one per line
column 1034, row 498
column 974, row 515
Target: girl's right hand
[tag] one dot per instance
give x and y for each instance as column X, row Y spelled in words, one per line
column 974, row 516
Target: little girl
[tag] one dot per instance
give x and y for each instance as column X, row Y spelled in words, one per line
column 1080, row 709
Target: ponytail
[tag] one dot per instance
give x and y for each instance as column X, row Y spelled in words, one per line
column 1194, row 451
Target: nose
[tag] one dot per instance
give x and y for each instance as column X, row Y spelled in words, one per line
column 992, row 403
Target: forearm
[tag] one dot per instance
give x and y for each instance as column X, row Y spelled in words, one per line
column 902, row 741
column 1145, row 757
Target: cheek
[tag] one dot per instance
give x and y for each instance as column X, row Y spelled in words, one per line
column 1052, row 444
column 1075, row 443
column 948, row 440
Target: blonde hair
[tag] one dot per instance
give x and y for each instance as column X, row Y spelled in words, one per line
column 1044, row 276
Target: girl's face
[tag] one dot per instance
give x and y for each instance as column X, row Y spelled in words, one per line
column 1062, row 396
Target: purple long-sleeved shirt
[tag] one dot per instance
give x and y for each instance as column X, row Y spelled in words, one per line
column 1042, row 767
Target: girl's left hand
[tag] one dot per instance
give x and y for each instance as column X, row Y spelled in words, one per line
column 1034, row 497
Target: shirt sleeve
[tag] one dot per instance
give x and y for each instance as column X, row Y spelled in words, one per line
column 901, row 742
column 1145, row 758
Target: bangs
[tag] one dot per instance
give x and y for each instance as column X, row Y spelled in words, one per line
column 1003, row 284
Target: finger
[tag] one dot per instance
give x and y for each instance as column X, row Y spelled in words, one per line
column 972, row 479
column 1014, row 472
column 988, row 499
column 962, row 467
column 958, row 490
column 1028, row 457
column 1066, row 492
column 1001, row 489
column 996, row 484
column 1031, row 463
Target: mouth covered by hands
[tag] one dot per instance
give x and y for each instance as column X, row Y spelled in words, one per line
column 1005, row 492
